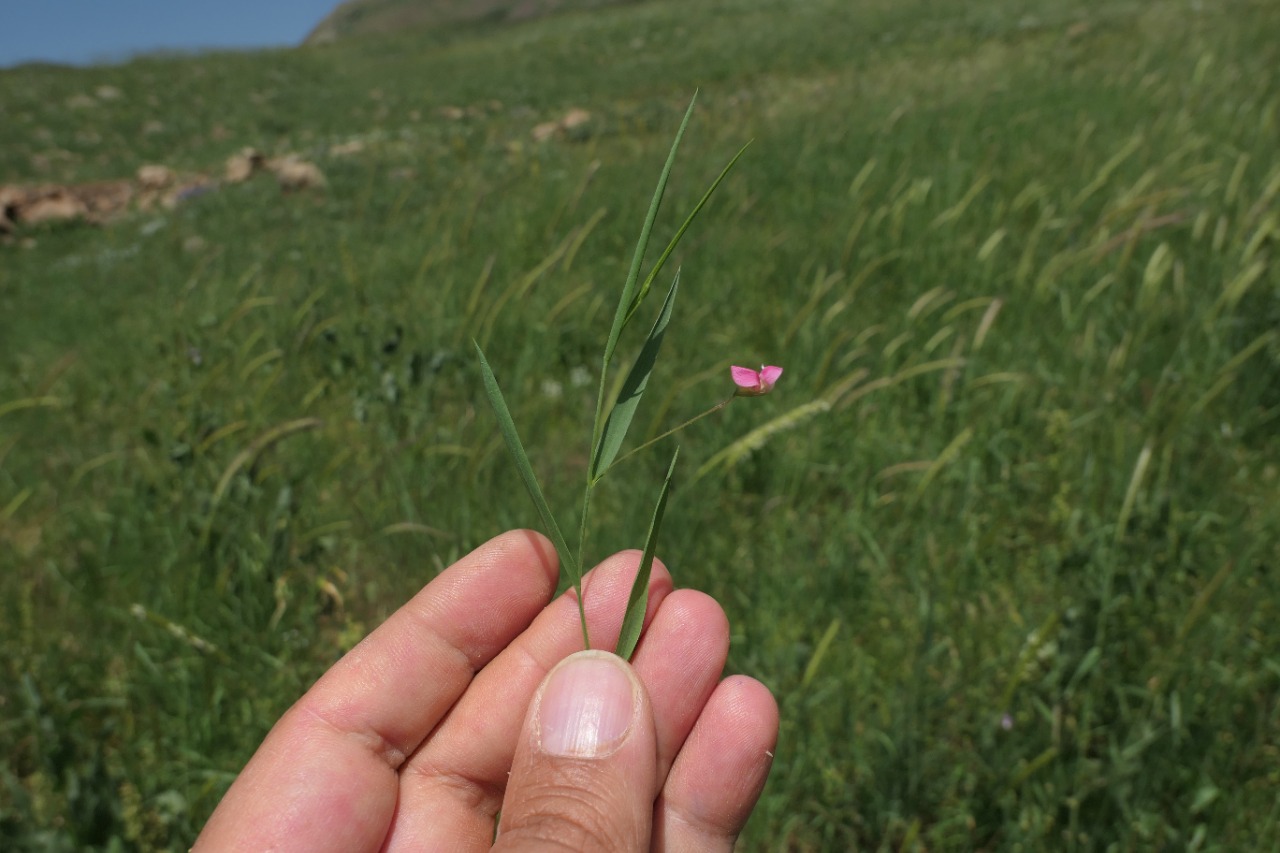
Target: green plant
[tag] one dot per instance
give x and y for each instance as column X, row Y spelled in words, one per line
column 609, row 429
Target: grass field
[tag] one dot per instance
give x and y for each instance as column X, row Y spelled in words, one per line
column 1005, row 547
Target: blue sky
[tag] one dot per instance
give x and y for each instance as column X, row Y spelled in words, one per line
column 85, row 31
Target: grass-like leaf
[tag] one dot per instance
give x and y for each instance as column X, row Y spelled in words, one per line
column 638, row 601
column 521, row 458
column 248, row 455
column 624, row 409
column 624, row 311
column 675, row 240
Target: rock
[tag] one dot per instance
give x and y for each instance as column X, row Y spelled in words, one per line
column 153, row 177
column 154, row 185
column 345, row 149
column 104, row 199
column 152, row 181
column 294, row 173
column 576, row 117
column 573, row 125
column 546, row 130
column 240, row 167
column 58, row 206
column 92, row 202
column 8, row 209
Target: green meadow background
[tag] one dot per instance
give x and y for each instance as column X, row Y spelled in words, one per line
column 1003, row 542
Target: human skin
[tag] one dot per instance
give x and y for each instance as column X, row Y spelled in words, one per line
column 455, row 710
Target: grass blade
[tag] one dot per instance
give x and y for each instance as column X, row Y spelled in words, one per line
column 28, row 403
column 675, row 241
column 638, row 601
column 624, row 311
column 758, row 437
column 248, row 455
column 516, row 448
column 624, row 409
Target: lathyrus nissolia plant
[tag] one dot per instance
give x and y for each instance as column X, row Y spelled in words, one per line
column 610, row 426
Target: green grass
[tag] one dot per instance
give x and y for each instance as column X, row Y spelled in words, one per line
column 1018, row 259
column 382, row 17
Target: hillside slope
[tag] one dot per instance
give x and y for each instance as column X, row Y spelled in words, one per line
column 1003, row 541
column 361, row 17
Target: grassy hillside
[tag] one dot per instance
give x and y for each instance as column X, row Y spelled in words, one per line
column 380, row 17
column 1013, row 579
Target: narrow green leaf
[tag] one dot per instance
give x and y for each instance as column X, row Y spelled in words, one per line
column 815, row 660
column 508, row 429
column 675, row 241
column 247, row 456
column 624, row 409
column 624, row 312
column 638, row 602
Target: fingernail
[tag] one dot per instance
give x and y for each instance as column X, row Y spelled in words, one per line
column 587, row 706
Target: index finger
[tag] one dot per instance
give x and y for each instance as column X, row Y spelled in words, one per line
column 325, row 777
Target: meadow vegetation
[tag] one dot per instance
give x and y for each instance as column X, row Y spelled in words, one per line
column 380, row 17
column 1003, row 541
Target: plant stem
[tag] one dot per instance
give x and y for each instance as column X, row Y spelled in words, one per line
column 582, row 547
column 632, row 452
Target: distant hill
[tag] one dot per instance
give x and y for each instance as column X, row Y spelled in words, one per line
column 359, row 17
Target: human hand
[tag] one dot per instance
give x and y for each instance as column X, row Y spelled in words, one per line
column 445, row 716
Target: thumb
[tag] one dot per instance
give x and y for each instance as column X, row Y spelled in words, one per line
column 584, row 776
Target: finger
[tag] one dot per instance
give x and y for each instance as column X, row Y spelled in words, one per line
column 325, row 777
column 721, row 770
column 451, row 790
column 680, row 660
column 583, row 777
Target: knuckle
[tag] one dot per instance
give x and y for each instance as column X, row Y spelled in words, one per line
column 570, row 816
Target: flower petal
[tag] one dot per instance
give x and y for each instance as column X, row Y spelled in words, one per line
column 769, row 374
column 745, row 377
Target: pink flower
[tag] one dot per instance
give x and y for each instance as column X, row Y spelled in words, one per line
column 751, row 383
